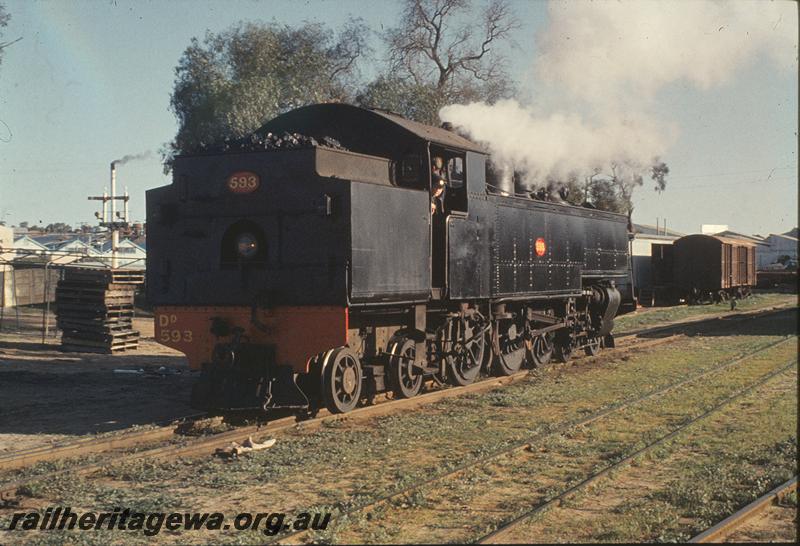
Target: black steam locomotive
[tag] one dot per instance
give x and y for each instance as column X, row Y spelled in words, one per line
column 308, row 269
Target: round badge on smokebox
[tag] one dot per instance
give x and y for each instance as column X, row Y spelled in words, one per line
column 243, row 182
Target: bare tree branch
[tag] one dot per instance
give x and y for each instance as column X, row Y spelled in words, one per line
column 428, row 49
column 4, row 45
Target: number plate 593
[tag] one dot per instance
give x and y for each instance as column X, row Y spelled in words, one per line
column 243, row 182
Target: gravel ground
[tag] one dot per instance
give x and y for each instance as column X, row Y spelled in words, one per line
column 49, row 396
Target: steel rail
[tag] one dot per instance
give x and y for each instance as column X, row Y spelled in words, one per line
column 702, row 318
column 517, row 520
column 559, row 429
column 738, row 518
column 208, row 444
column 204, row 446
column 29, row 457
column 22, row 459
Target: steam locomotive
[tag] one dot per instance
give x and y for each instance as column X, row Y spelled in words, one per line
column 308, row 270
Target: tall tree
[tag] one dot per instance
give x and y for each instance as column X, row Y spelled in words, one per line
column 604, row 194
column 420, row 102
column 444, row 52
column 231, row 83
column 614, row 191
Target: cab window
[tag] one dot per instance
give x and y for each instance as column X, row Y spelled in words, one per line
column 409, row 171
column 456, row 199
column 455, row 172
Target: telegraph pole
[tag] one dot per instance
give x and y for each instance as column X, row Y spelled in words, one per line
column 114, row 221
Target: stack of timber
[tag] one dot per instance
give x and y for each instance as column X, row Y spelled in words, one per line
column 95, row 309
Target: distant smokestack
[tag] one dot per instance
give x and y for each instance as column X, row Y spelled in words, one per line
column 114, row 231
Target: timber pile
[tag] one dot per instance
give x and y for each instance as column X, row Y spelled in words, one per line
column 95, row 309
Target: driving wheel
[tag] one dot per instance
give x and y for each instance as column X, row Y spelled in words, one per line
column 405, row 379
column 467, row 344
column 512, row 349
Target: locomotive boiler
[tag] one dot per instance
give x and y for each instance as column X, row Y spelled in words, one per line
column 309, row 270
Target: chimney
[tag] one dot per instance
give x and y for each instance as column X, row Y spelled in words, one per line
column 114, row 230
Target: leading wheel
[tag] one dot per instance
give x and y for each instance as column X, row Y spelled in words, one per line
column 512, row 350
column 467, row 343
column 341, row 380
column 404, row 379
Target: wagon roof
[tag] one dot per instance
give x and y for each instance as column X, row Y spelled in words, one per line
column 726, row 240
column 336, row 115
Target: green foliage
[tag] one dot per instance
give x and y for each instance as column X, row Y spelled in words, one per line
column 58, row 227
column 229, row 84
column 658, row 173
column 604, row 196
column 613, row 191
column 420, row 102
column 576, row 192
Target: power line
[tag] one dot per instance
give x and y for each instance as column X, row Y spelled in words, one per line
column 712, row 175
column 727, row 184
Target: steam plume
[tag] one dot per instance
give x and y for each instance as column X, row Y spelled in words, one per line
column 600, row 67
column 132, row 157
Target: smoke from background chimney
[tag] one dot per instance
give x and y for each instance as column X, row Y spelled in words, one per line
column 131, row 157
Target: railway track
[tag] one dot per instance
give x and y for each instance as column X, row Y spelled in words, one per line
column 87, row 446
column 730, row 524
column 26, row 458
column 699, row 319
column 508, row 526
column 206, row 445
column 32, row 456
column 557, row 430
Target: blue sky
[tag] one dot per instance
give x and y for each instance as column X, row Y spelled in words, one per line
column 90, row 82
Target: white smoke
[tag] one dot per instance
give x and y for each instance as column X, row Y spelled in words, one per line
column 600, row 67
column 558, row 144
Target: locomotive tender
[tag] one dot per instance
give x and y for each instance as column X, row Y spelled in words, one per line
column 302, row 278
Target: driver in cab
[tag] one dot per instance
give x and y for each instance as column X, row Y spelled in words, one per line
column 438, row 185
